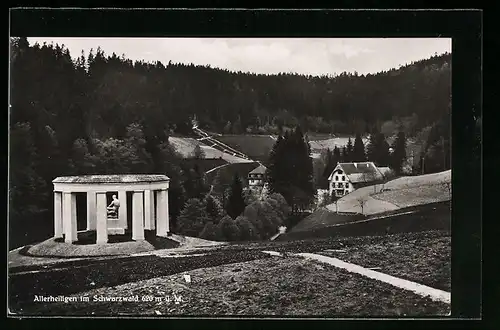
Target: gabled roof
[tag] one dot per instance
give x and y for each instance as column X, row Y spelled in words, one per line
column 261, row 169
column 359, row 172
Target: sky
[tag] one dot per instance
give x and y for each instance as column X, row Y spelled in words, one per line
column 309, row 56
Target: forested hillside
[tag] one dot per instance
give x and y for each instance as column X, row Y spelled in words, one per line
column 101, row 113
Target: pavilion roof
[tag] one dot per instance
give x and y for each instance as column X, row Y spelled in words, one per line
column 112, row 178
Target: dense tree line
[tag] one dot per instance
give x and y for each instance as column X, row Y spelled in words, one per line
column 236, row 101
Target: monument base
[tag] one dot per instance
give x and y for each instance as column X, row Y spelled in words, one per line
column 116, row 231
column 114, row 227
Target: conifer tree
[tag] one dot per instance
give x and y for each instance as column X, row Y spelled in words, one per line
column 350, row 151
column 344, row 156
column 193, row 218
column 336, row 156
column 383, row 155
column 372, row 148
column 291, row 155
column 399, row 152
column 235, row 202
column 359, row 150
column 213, row 209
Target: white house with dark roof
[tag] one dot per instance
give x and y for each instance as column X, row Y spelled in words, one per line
column 347, row 177
column 257, row 177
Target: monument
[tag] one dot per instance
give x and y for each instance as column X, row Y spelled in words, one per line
column 113, row 208
column 148, row 212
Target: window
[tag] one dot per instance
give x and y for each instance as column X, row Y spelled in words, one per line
column 347, row 184
column 336, row 178
column 340, row 184
column 343, row 177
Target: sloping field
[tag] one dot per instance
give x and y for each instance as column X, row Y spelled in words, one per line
column 186, row 146
column 423, row 189
column 228, row 171
column 402, row 192
column 318, row 145
column 312, row 136
column 350, row 204
column 414, row 196
column 435, row 216
column 323, row 217
column 413, row 181
column 254, row 146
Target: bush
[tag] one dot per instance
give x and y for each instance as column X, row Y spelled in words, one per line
column 282, row 206
column 193, row 218
column 268, row 215
column 251, row 214
column 228, row 229
column 325, row 199
column 213, row 208
column 247, row 230
column 249, row 196
column 271, row 220
column 210, row 232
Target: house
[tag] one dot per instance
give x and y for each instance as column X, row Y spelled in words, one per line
column 347, row 177
column 257, row 177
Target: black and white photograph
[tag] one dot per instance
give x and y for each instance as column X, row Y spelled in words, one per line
column 217, row 176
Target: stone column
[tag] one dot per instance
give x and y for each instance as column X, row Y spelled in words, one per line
column 101, row 218
column 149, row 212
column 158, row 210
column 69, row 217
column 122, row 211
column 58, row 226
column 162, row 213
column 91, row 210
column 138, row 215
column 167, row 221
